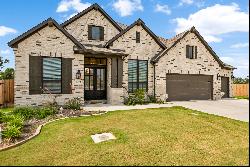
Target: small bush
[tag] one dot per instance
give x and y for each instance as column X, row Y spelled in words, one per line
column 26, row 112
column 153, row 99
column 44, row 112
column 74, row 104
column 138, row 97
column 12, row 131
column 15, row 120
column 1, row 117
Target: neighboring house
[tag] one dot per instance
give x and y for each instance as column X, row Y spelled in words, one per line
column 92, row 57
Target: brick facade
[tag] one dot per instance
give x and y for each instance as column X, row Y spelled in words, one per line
column 175, row 61
column 51, row 42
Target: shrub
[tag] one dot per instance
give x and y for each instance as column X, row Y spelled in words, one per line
column 16, row 120
column 74, row 104
column 138, row 97
column 26, row 112
column 1, row 117
column 153, row 99
column 12, row 131
column 44, row 112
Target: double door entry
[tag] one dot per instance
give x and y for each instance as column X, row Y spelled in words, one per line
column 95, row 83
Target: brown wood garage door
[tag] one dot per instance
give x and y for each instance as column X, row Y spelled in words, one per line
column 189, row 87
column 225, row 86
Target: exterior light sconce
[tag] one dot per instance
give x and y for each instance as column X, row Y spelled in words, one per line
column 78, row 74
column 218, row 75
column 232, row 77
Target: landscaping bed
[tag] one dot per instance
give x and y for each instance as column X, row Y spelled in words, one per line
column 21, row 123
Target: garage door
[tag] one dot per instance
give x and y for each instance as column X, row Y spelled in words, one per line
column 225, row 86
column 189, row 87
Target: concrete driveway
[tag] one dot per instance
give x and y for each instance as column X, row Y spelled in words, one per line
column 231, row 108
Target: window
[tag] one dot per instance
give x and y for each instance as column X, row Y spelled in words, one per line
column 191, row 52
column 137, row 75
column 96, row 33
column 52, row 75
column 138, row 38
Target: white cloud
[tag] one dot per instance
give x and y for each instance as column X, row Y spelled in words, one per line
column 241, row 63
column 75, row 5
column 5, row 52
column 6, row 30
column 163, row 8
column 182, row 2
column 240, row 45
column 215, row 20
column 127, row 7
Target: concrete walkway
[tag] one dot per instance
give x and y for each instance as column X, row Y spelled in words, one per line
column 231, row 108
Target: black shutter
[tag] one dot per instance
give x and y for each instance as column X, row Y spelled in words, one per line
column 114, row 73
column 138, row 37
column 195, row 52
column 90, row 32
column 120, row 72
column 187, row 51
column 102, row 33
column 35, row 75
column 66, row 75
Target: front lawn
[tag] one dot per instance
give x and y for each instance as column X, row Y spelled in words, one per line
column 165, row 136
column 6, row 109
column 241, row 97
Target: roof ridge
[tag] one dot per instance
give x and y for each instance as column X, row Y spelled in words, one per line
column 40, row 26
column 96, row 7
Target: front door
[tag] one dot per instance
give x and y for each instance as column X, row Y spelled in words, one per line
column 95, row 83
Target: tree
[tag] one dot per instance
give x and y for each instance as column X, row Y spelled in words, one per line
column 2, row 62
column 7, row 74
column 239, row 80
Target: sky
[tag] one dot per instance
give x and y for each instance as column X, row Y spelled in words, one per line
column 223, row 23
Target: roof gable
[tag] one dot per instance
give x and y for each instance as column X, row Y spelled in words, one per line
column 180, row 36
column 138, row 22
column 92, row 7
column 40, row 26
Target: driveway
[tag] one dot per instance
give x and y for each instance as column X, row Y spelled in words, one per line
column 231, row 108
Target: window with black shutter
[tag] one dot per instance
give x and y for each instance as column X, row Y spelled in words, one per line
column 138, row 37
column 52, row 75
column 137, row 75
column 95, row 32
column 191, row 52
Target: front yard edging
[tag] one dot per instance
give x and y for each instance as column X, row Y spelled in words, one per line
column 39, row 129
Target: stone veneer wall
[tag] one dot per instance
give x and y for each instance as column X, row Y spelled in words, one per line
column 114, row 95
column 175, row 61
column 79, row 27
column 145, row 50
column 48, row 41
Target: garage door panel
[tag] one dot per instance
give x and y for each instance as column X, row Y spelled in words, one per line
column 189, row 87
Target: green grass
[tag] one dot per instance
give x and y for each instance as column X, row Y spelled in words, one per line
column 241, row 97
column 165, row 136
column 6, row 109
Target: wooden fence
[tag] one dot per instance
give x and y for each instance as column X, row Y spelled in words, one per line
column 241, row 90
column 6, row 92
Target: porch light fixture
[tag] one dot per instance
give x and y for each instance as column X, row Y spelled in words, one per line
column 78, row 74
column 232, row 77
column 218, row 75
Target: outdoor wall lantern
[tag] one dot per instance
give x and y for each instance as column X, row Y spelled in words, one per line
column 218, row 75
column 232, row 77
column 78, row 74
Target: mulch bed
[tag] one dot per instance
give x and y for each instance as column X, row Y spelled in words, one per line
column 30, row 126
